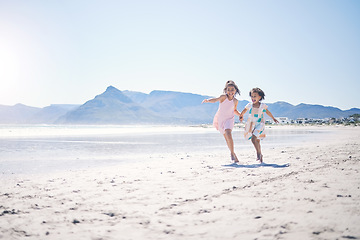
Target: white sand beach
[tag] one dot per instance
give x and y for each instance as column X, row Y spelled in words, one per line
column 309, row 191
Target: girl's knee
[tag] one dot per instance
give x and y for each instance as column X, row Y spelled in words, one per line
column 228, row 131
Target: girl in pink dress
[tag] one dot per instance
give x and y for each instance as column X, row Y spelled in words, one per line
column 225, row 116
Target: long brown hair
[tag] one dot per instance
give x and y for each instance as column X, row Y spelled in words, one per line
column 231, row 83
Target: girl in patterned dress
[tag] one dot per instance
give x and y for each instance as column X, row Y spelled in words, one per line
column 225, row 116
column 255, row 125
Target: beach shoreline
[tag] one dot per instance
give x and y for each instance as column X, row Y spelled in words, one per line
column 308, row 191
column 41, row 149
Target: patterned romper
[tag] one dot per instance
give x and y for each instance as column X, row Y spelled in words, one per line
column 255, row 124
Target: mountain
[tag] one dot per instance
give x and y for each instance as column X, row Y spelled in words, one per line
column 352, row 111
column 283, row 109
column 185, row 107
column 51, row 113
column 22, row 114
column 17, row 114
column 158, row 107
column 110, row 107
column 138, row 97
column 182, row 107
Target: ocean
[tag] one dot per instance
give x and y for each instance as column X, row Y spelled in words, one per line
column 28, row 149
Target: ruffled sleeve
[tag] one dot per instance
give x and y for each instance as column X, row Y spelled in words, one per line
column 263, row 107
column 248, row 106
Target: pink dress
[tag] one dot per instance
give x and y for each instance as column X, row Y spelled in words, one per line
column 225, row 117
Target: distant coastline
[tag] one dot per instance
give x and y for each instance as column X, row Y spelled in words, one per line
column 161, row 107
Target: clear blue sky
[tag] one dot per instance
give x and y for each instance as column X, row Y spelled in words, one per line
column 68, row 51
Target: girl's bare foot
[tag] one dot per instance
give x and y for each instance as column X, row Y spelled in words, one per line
column 260, row 158
column 234, row 158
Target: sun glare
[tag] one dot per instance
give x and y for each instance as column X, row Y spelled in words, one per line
column 9, row 71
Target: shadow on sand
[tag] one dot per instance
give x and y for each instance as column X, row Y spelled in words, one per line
column 235, row 165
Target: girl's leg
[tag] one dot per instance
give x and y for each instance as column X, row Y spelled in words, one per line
column 256, row 143
column 230, row 143
column 260, row 154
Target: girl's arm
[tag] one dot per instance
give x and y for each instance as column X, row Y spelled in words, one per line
column 241, row 116
column 214, row 100
column 235, row 108
column 270, row 115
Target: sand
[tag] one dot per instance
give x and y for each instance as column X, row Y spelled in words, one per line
column 301, row 192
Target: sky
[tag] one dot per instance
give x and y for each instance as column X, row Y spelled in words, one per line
column 69, row 51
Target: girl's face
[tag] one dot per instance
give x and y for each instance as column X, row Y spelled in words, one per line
column 255, row 97
column 230, row 91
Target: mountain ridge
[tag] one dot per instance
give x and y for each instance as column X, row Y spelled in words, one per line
column 158, row 107
column 110, row 107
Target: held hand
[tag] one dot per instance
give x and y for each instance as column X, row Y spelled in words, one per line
column 205, row 101
column 275, row 120
column 241, row 118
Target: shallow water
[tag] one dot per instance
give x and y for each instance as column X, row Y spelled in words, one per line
column 42, row 148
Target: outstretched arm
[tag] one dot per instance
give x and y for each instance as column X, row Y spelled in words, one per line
column 214, row 100
column 270, row 115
